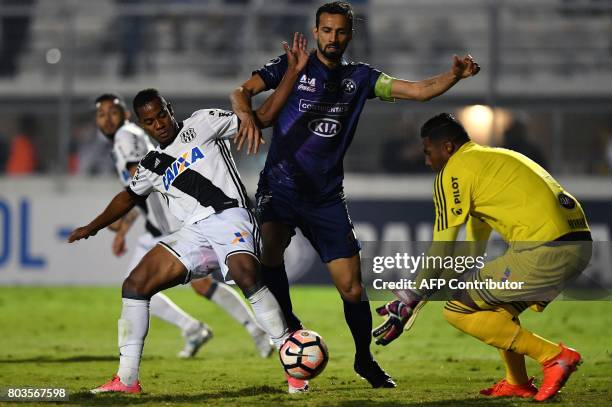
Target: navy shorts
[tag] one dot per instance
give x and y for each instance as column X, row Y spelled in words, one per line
column 326, row 225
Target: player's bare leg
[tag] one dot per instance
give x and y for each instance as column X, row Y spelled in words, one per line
column 227, row 298
column 158, row 270
column 346, row 273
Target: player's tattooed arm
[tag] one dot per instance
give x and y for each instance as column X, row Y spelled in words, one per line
column 435, row 86
column 121, row 204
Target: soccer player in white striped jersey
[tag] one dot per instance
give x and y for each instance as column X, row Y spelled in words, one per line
column 193, row 168
column 130, row 145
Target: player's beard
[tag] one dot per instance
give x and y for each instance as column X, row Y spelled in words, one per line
column 335, row 55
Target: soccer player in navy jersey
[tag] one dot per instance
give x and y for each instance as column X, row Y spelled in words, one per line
column 301, row 184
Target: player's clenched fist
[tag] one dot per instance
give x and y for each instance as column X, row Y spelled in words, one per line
column 465, row 67
column 81, row 233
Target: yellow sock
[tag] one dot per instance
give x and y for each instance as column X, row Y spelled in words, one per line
column 516, row 372
column 497, row 327
column 534, row 346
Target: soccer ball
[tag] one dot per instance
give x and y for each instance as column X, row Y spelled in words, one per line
column 304, row 354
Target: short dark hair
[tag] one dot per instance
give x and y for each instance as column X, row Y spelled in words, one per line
column 451, row 127
column 111, row 97
column 337, row 7
column 145, row 96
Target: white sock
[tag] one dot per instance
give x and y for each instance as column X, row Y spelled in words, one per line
column 163, row 308
column 269, row 315
column 133, row 327
column 228, row 299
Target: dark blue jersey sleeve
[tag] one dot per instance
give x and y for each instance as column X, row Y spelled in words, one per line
column 273, row 71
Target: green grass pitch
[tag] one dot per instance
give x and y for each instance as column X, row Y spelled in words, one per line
column 66, row 337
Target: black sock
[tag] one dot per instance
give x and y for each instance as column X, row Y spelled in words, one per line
column 359, row 319
column 275, row 278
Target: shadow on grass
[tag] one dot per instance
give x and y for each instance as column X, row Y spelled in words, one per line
column 71, row 359
column 86, row 398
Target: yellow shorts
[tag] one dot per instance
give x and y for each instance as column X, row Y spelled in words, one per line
column 531, row 277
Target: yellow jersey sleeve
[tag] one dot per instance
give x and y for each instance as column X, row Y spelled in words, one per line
column 452, row 196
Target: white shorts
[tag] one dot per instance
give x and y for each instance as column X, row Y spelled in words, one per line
column 146, row 242
column 229, row 232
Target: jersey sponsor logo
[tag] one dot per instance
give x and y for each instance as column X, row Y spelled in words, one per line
column 305, row 88
column 188, row 135
column 220, row 113
column 328, row 109
column 566, row 201
column 180, row 165
column 239, row 237
column 308, row 81
column 457, row 211
column 325, row 127
column 307, row 84
column 348, row 86
column 455, row 185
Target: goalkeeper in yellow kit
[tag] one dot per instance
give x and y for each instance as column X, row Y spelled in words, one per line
column 549, row 243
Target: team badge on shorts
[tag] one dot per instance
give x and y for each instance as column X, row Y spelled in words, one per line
column 188, row 135
column 239, row 237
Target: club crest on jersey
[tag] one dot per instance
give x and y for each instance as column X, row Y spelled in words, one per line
column 188, row 135
column 179, row 165
column 348, row 86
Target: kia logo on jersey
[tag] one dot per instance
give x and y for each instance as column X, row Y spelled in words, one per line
column 325, row 127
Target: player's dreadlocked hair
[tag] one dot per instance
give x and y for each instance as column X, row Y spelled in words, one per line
column 111, row 97
column 444, row 126
column 146, row 96
column 337, row 7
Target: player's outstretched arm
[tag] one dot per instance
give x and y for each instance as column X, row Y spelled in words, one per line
column 121, row 204
column 430, row 88
column 297, row 58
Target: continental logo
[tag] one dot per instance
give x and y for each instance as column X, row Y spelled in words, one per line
column 180, row 165
column 322, row 108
